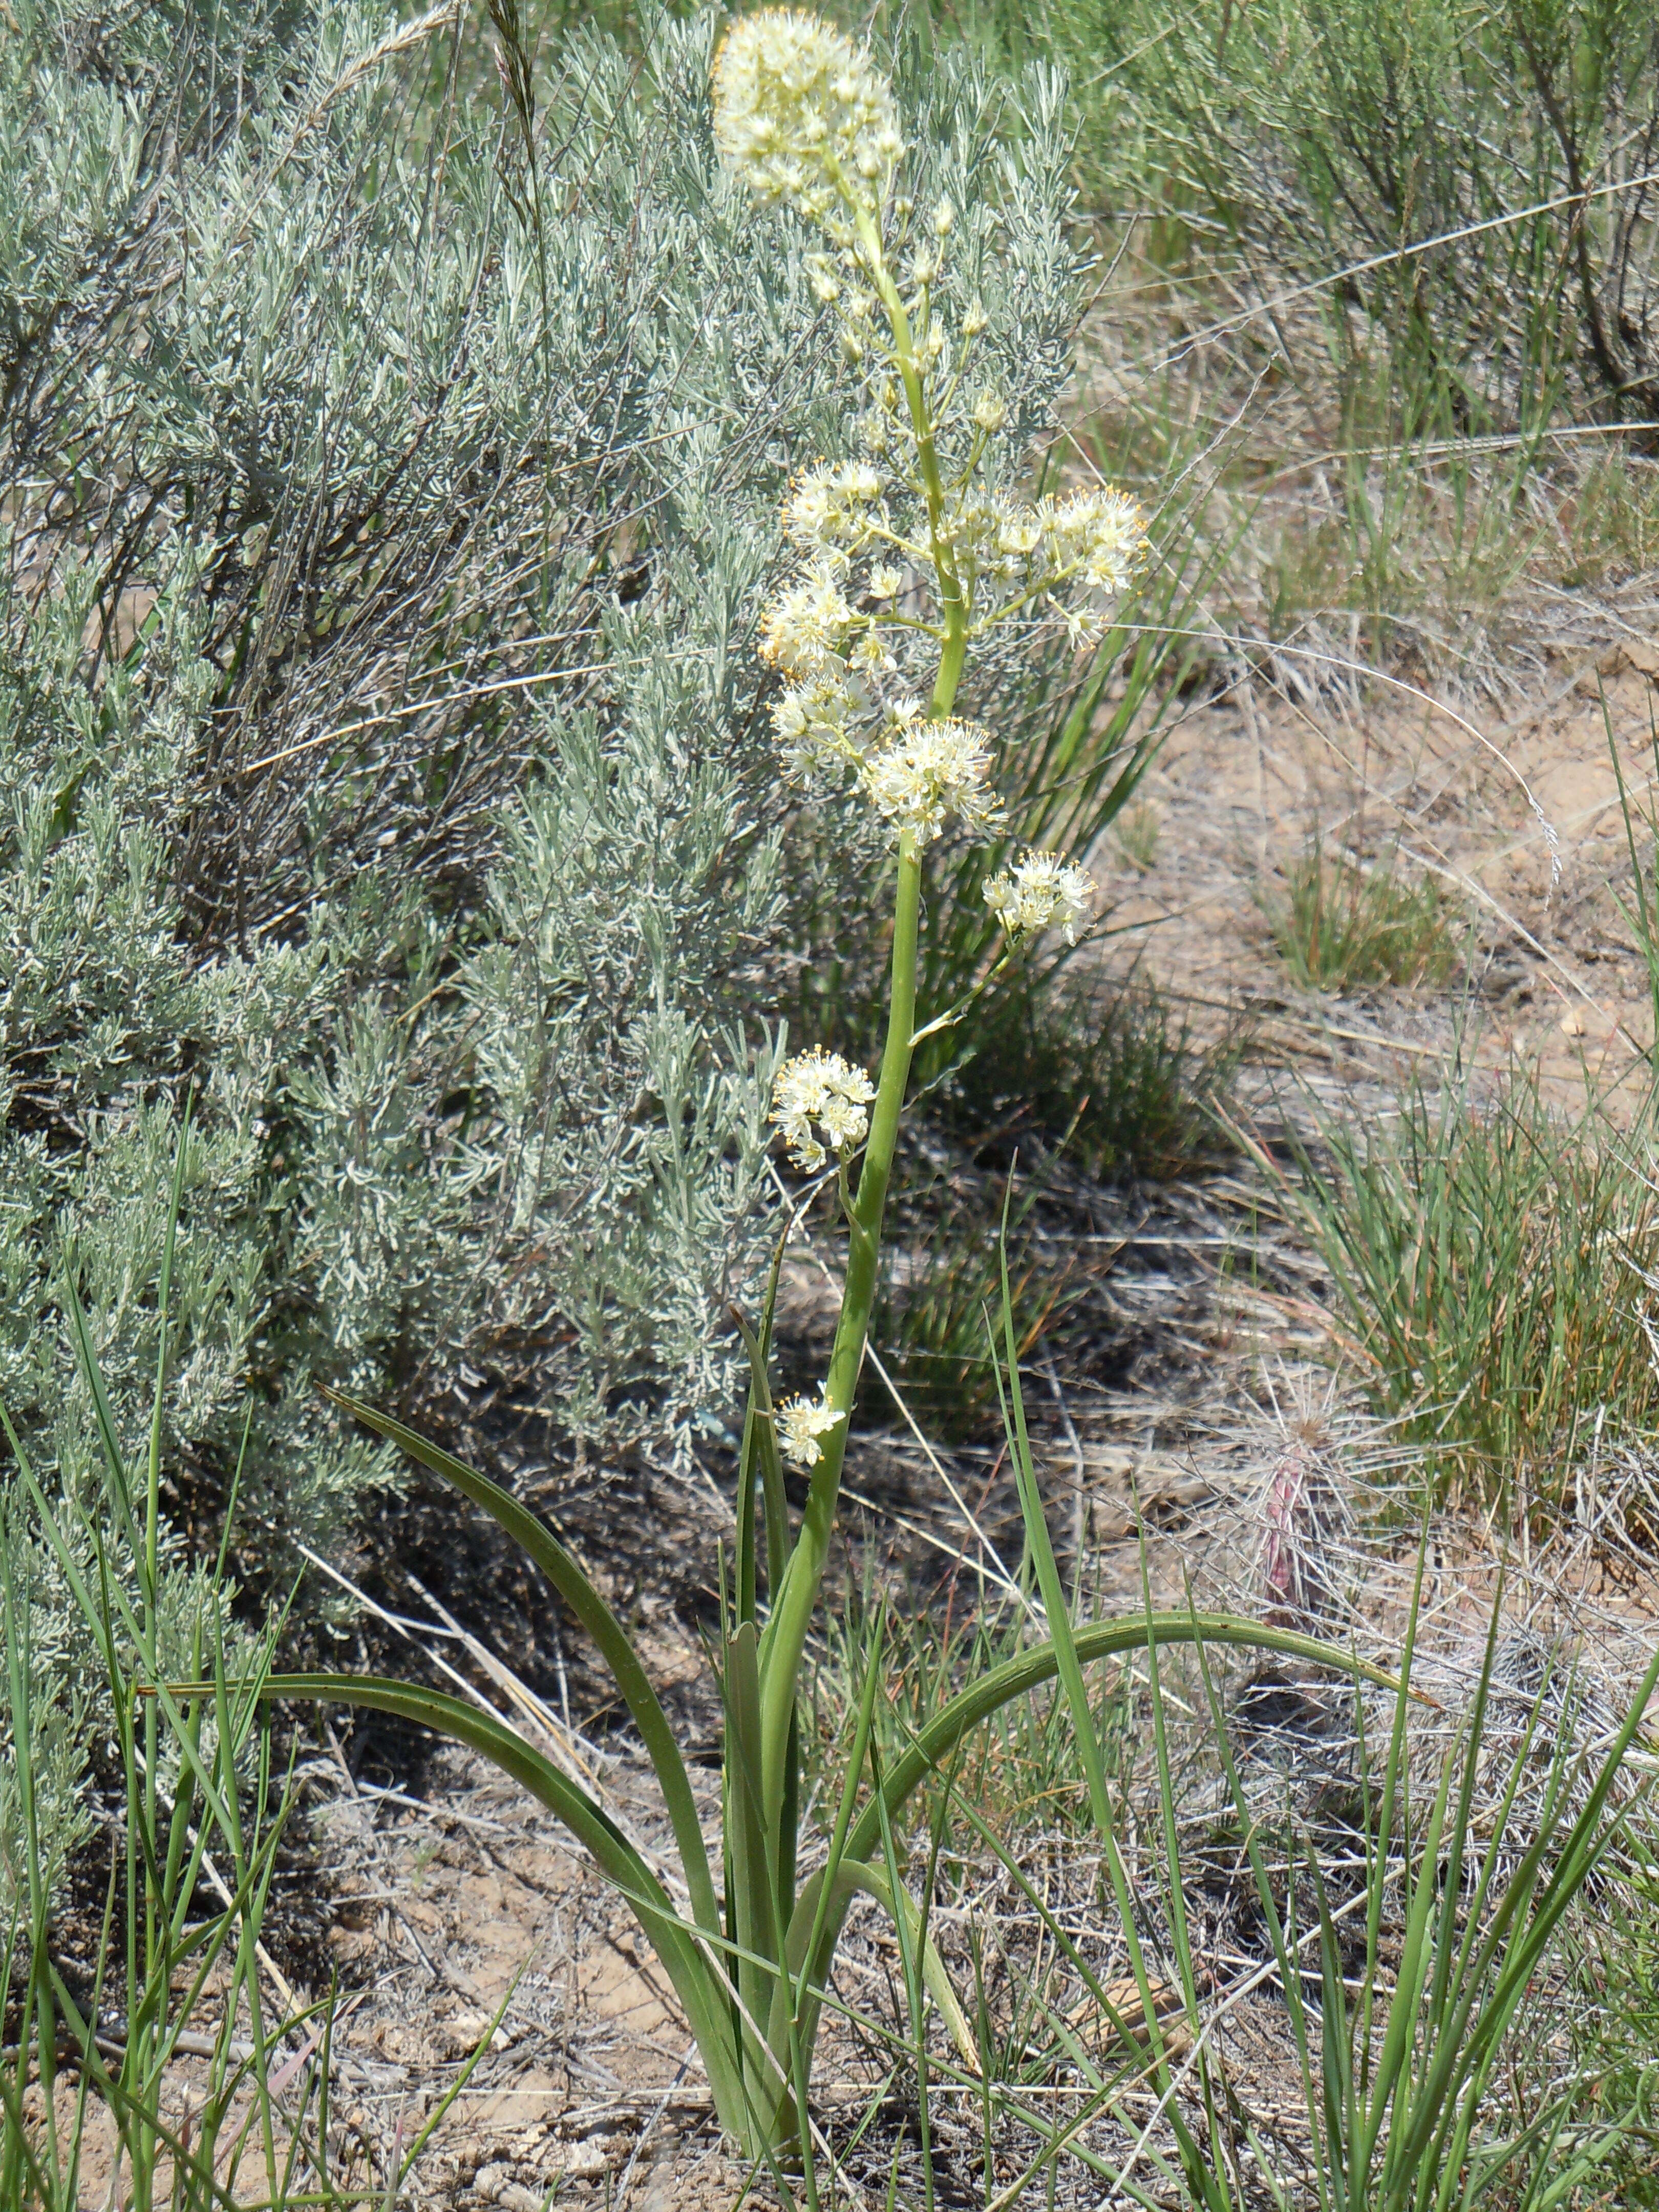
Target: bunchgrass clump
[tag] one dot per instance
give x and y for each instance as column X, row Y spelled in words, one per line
column 1136, row 833
column 1342, row 923
column 1491, row 1264
column 1105, row 1071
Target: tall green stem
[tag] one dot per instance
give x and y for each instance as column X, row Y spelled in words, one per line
column 794, row 1602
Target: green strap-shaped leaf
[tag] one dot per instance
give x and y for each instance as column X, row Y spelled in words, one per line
column 752, row 1872
column 698, row 1985
column 534, row 1537
column 1101, row 1639
column 848, row 1877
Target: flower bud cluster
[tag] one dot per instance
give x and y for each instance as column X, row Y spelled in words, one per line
column 802, row 115
column 1042, row 891
column 819, row 1091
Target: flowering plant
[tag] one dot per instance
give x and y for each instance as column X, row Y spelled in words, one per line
column 905, row 559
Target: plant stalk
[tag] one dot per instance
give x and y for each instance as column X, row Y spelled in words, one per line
column 795, row 1599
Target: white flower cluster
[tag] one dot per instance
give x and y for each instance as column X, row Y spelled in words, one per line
column 806, row 624
column 800, row 1423
column 801, row 114
column 1095, row 540
column 935, row 771
column 819, row 1090
column 812, row 723
column 1042, row 891
column 835, row 511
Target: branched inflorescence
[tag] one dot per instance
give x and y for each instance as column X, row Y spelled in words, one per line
column 921, row 544
column 905, row 557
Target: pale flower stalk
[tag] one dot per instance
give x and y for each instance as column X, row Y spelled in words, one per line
column 906, row 554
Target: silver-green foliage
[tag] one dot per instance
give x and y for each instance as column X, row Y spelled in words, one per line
column 455, row 987
column 384, row 761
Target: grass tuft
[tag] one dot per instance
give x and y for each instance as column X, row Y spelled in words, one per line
column 1108, row 1070
column 1341, row 925
column 1491, row 1264
column 1136, row 833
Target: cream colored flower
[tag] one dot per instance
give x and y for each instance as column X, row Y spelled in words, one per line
column 1099, row 536
column 885, row 583
column 871, row 656
column 802, row 115
column 1019, row 528
column 1042, row 891
column 800, row 1423
column 990, row 412
column 804, row 625
column 835, row 510
column 810, row 724
column 820, row 1090
column 933, row 772
column 1085, row 625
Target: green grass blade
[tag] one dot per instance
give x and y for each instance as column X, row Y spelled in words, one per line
column 163, row 1299
column 1101, row 1639
column 1406, row 2021
column 760, row 1447
column 102, row 1417
column 644, row 1708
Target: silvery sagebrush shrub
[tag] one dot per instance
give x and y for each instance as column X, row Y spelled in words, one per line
column 388, row 761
